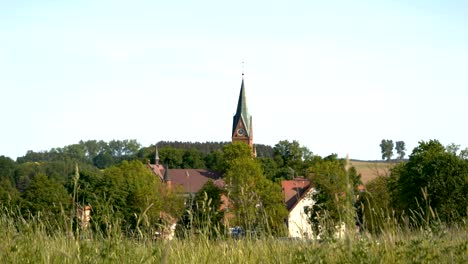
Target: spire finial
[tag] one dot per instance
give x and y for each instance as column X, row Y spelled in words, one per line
column 242, row 69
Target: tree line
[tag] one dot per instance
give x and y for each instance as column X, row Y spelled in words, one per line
column 114, row 178
column 431, row 185
column 430, row 188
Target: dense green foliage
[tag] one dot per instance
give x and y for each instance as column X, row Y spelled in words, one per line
column 430, row 187
column 433, row 178
column 203, row 213
column 256, row 202
column 115, row 180
column 336, row 189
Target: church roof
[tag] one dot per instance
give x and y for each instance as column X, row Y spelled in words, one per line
column 242, row 112
column 191, row 180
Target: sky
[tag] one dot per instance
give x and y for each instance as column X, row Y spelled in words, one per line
column 337, row 76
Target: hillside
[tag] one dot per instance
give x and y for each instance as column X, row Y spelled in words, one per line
column 371, row 169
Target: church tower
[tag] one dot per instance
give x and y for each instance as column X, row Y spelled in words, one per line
column 242, row 123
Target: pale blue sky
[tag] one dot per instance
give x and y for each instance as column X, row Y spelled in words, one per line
column 338, row 76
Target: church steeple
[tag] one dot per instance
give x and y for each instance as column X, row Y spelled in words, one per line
column 242, row 121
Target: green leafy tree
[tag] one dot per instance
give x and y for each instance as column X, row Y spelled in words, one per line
column 375, row 204
column 464, row 154
column 9, row 195
column 453, row 148
column 386, row 147
column 131, row 194
column 171, row 157
column 257, row 202
column 46, row 196
column 336, row 189
column 433, row 179
column 126, row 192
column 24, row 173
column 203, row 214
column 232, row 152
column 270, row 169
column 236, row 150
column 400, row 149
column 215, row 160
column 103, row 160
column 291, row 158
column 193, row 158
column 7, row 168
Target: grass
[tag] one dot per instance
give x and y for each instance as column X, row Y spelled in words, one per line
column 32, row 241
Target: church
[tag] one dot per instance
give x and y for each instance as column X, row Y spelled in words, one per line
column 296, row 192
column 242, row 130
column 192, row 180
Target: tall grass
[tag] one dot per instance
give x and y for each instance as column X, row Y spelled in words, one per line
column 419, row 237
column 41, row 240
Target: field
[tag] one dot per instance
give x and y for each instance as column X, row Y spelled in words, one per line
column 371, row 169
column 417, row 247
column 35, row 241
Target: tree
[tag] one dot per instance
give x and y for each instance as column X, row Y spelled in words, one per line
column 171, row 157
column 387, row 149
column 374, row 204
column 257, row 202
column 270, row 168
column 291, row 158
column 128, row 192
column 232, row 152
column 400, row 149
column 336, row 187
column 46, row 196
column 9, row 195
column 193, row 158
column 215, row 160
column 433, row 179
column 453, row 148
column 7, row 168
column 103, row 160
column 203, row 214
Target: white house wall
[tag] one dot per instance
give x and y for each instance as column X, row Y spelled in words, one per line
column 298, row 223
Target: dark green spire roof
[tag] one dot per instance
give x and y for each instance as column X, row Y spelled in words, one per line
column 242, row 113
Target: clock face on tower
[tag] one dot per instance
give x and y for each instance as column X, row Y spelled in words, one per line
column 240, row 131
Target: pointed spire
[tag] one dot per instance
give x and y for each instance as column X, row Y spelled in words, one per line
column 242, row 112
column 156, row 155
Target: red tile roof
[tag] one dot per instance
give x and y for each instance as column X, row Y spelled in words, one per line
column 293, row 190
column 191, row 180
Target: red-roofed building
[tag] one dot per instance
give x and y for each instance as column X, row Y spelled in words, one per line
column 298, row 197
column 190, row 180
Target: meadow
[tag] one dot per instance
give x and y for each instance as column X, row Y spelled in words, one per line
column 38, row 241
column 371, row 169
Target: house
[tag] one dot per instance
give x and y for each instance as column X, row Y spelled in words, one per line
column 298, row 198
